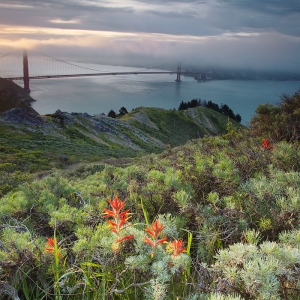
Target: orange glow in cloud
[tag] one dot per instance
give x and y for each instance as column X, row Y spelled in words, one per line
column 33, row 37
column 60, row 21
column 30, row 37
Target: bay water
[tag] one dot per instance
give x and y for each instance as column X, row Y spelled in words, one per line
column 96, row 95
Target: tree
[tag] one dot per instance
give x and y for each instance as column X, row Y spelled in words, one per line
column 213, row 106
column 238, row 118
column 183, row 106
column 123, row 111
column 112, row 114
column 225, row 110
column 194, row 103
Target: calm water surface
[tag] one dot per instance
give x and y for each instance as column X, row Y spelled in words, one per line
column 96, row 95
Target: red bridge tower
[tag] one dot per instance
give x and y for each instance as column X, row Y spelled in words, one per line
column 178, row 73
column 26, row 72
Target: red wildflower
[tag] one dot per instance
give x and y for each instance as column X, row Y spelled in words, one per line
column 120, row 217
column 52, row 244
column 127, row 237
column 154, row 231
column 177, row 246
column 117, row 206
column 266, row 144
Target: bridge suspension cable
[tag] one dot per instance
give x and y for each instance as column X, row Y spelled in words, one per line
column 7, row 54
column 72, row 64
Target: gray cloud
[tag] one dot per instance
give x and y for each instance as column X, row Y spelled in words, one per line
column 237, row 33
column 277, row 15
column 272, row 7
column 183, row 17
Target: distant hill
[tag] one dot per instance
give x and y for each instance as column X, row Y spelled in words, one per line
column 36, row 142
column 13, row 96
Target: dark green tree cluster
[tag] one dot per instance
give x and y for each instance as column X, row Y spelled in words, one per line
column 191, row 104
column 223, row 109
column 278, row 122
column 122, row 111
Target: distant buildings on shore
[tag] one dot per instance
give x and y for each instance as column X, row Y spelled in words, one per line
column 203, row 76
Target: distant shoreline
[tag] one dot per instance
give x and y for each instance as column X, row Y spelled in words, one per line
column 249, row 77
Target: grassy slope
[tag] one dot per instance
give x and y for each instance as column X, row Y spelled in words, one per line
column 66, row 139
column 177, row 127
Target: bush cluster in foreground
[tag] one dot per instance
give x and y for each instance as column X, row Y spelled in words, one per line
column 217, row 218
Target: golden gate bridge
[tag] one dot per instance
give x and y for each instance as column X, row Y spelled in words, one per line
column 14, row 66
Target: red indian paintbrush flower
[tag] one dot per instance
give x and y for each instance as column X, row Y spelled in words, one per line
column 154, row 231
column 51, row 245
column 125, row 238
column 117, row 206
column 266, row 144
column 120, row 218
column 177, row 246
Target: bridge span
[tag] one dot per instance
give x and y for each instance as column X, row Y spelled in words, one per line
column 26, row 75
column 95, row 74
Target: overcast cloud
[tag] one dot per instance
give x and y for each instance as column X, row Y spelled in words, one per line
column 208, row 33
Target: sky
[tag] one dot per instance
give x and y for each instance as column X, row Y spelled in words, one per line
column 237, row 34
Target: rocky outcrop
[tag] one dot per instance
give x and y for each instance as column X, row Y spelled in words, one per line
column 23, row 116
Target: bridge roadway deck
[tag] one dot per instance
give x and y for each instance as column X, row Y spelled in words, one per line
column 94, row 74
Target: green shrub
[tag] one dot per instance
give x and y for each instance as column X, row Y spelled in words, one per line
column 281, row 122
column 267, row 271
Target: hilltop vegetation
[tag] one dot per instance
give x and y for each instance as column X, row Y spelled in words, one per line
column 223, row 108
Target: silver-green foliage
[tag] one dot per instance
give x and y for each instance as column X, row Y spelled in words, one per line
column 262, row 271
column 273, row 198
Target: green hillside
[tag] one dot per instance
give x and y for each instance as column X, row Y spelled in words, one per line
column 32, row 143
column 216, row 218
column 177, row 127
